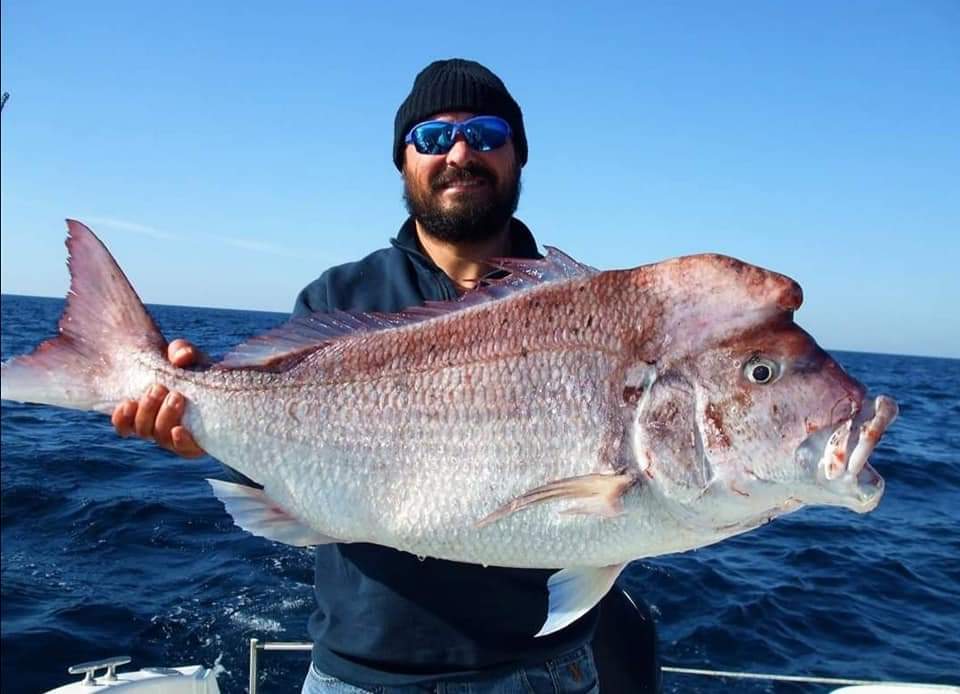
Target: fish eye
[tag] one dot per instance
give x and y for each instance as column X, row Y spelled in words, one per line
column 761, row 370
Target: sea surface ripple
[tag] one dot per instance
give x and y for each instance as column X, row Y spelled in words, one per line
column 114, row 546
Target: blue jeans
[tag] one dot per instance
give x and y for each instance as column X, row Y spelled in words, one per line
column 571, row 673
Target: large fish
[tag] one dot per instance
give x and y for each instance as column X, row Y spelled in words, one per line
column 560, row 418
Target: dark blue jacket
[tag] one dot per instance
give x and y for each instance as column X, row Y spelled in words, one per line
column 385, row 616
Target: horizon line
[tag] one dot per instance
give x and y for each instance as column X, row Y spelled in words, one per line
column 286, row 313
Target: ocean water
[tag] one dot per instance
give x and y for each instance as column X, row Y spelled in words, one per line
column 113, row 547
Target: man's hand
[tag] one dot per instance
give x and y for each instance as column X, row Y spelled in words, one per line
column 156, row 416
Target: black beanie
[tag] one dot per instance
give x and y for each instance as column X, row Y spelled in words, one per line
column 457, row 85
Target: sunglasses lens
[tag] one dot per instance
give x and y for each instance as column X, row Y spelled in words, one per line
column 485, row 134
column 433, row 138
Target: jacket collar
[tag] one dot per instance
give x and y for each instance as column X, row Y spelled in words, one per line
column 522, row 243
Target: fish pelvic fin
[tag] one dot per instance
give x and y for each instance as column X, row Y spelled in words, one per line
column 252, row 510
column 596, row 494
column 103, row 321
column 574, row 591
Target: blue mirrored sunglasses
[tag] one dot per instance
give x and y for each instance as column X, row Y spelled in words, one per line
column 482, row 133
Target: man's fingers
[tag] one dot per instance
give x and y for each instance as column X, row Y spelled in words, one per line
column 147, row 410
column 123, row 417
column 157, row 416
column 182, row 353
column 183, row 443
column 167, row 418
column 158, row 413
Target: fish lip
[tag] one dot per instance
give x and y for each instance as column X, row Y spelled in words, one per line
column 842, row 466
column 868, row 426
column 854, row 438
column 869, row 490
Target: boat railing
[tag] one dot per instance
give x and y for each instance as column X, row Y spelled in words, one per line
column 256, row 646
column 804, row 679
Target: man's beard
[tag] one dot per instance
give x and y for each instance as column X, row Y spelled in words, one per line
column 475, row 218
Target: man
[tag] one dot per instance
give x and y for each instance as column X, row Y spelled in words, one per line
column 387, row 621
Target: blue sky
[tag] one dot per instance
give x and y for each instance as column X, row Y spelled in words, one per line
column 228, row 152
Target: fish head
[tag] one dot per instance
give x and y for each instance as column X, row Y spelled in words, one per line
column 747, row 418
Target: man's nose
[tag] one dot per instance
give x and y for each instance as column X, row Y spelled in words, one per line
column 460, row 153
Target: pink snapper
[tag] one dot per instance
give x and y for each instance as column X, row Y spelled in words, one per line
column 560, row 417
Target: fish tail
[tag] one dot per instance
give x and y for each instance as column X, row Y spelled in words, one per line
column 103, row 325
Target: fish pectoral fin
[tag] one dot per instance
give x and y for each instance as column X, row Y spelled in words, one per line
column 574, row 592
column 253, row 511
column 596, row 494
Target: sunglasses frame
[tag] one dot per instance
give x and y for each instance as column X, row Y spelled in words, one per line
column 459, row 127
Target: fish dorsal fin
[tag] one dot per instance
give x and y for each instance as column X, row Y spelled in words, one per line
column 556, row 265
column 286, row 345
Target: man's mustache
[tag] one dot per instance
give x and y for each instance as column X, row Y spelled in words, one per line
column 462, row 174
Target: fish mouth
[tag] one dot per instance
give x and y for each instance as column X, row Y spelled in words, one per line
column 844, row 450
